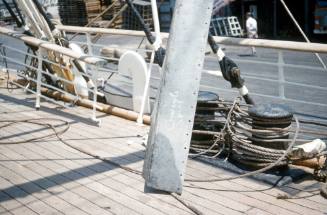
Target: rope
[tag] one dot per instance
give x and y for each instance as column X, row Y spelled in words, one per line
column 58, row 134
column 241, row 142
column 285, row 196
column 35, row 122
column 189, row 206
column 270, row 166
column 66, row 126
column 301, row 31
column 97, row 17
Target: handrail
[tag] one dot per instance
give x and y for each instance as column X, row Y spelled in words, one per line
column 51, row 47
column 275, row 44
column 77, row 29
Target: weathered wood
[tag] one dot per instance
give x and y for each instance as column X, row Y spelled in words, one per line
column 109, row 109
column 88, row 185
column 311, row 163
column 51, row 47
column 275, row 44
column 75, row 29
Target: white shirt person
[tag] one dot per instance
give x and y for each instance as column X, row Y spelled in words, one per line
column 251, row 29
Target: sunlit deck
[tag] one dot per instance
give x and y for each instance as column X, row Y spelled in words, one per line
column 49, row 177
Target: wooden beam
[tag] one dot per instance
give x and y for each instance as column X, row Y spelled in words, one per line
column 105, row 108
column 51, row 47
column 275, row 44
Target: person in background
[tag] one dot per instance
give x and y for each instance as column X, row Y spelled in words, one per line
column 251, row 29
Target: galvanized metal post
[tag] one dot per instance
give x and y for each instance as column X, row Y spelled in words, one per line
column 172, row 120
column 89, row 44
column 95, row 70
column 281, row 77
column 39, row 78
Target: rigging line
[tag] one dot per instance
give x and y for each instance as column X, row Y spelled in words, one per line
column 302, row 32
column 272, row 165
column 96, row 18
column 12, row 13
column 58, row 134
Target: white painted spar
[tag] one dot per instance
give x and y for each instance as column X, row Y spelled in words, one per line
column 275, row 44
column 157, row 43
column 243, row 91
column 213, row 72
column 80, row 84
column 52, row 47
column 220, row 54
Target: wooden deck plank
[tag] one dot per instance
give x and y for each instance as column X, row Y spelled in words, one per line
column 116, row 184
column 4, row 211
column 78, row 174
column 214, row 204
column 130, row 176
column 256, row 211
column 142, row 182
column 30, row 201
column 14, row 206
column 90, row 195
column 298, row 206
column 236, row 196
column 133, row 157
column 35, row 184
column 66, row 181
column 142, row 197
column 69, row 176
column 137, row 178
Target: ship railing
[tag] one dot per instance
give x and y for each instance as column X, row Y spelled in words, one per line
column 17, row 61
column 280, row 82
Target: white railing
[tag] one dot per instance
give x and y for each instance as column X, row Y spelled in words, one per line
column 275, row 44
column 44, row 47
column 280, row 46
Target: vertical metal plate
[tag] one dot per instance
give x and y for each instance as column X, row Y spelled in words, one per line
column 172, row 119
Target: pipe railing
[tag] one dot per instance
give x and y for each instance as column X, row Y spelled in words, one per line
column 51, row 47
column 41, row 56
column 275, row 44
column 279, row 45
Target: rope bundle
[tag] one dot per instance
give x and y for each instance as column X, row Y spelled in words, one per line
column 245, row 140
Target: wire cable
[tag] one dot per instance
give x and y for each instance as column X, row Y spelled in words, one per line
column 272, row 165
column 58, row 134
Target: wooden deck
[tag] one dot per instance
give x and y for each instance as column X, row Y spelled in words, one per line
column 48, row 177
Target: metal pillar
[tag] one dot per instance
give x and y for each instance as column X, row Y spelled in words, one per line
column 172, row 120
column 306, row 16
column 39, row 78
column 275, row 18
column 243, row 15
column 281, row 76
